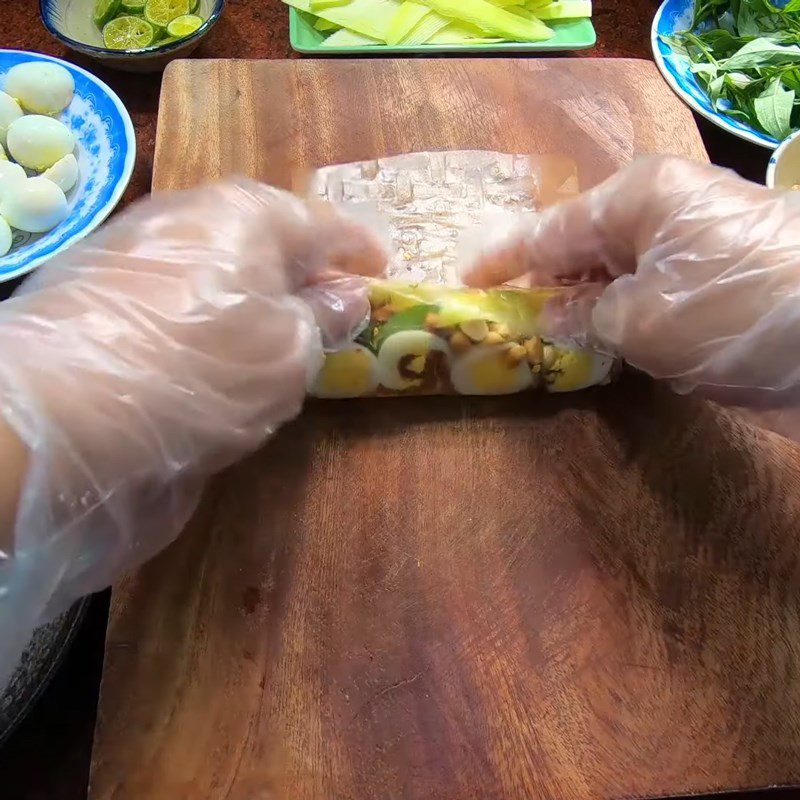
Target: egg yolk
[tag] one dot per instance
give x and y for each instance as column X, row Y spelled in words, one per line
column 347, row 373
column 494, row 375
column 575, row 369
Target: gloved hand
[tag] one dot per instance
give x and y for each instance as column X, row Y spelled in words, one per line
column 699, row 272
column 159, row 350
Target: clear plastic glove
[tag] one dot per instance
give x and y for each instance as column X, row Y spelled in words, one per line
column 161, row 349
column 698, row 270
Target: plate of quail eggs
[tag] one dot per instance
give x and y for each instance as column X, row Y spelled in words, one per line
column 67, row 150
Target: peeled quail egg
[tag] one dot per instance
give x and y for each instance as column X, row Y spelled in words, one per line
column 37, row 142
column 40, row 87
column 578, row 369
column 35, row 205
column 9, row 112
column 5, row 237
column 64, row 173
column 348, row 373
column 489, row 370
column 403, row 358
column 10, row 174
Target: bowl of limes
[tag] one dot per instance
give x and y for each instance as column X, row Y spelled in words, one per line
column 133, row 35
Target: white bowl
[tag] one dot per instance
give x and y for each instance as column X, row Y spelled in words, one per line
column 783, row 171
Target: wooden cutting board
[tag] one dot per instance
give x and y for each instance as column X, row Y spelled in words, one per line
column 592, row 596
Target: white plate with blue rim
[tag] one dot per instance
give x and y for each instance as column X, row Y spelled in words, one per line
column 105, row 150
column 673, row 17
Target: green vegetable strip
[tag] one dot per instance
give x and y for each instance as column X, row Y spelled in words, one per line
column 367, row 17
column 346, row 38
column 321, row 5
column 523, row 12
column 492, row 19
column 425, row 30
column 460, row 34
column 407, row 17
column 565, row 9
column 324, row 26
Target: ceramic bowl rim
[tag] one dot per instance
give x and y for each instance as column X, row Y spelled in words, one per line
column 154, row 50
column 780, row 151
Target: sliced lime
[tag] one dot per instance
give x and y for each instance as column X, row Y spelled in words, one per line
column 105, row 10
column 184, row 26
column 128, row 33
column 161, row 12
column 133, row 6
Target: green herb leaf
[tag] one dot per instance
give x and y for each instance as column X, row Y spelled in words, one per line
column 773, row 109
column 747, row 22
column 791, row 78
column 746, row 55
column 759, row 53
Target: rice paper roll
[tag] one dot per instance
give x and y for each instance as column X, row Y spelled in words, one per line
column 426, row 334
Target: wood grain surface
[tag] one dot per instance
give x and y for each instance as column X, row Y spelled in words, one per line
column 592, row 596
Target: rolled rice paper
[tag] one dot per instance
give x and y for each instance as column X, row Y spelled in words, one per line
column 425, row 333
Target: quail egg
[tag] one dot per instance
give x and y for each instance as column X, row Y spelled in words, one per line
column 578, row 369
column 35, row 205
column 403, row 358
column 10, row 175
column 347, row 373
column 40, row 87
column 64, row 173
column 490, row 370
column 5, row 237
column 37, row 142
column 9, row 112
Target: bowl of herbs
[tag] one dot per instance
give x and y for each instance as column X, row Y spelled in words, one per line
column 735, row 62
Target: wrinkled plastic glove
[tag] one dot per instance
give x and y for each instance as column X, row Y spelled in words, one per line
column 698, row 270
column 161, row 349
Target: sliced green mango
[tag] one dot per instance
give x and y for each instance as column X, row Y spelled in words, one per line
column 519, row 309
column 493, row 19
column 425, row 30
column 347, row 38
column 407, row 17
column 565, row 9
column 368, row 17
column 461, row 34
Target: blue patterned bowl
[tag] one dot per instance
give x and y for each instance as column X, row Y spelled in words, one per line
column 106, row 151
column 70, row 21
column 675, row 16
